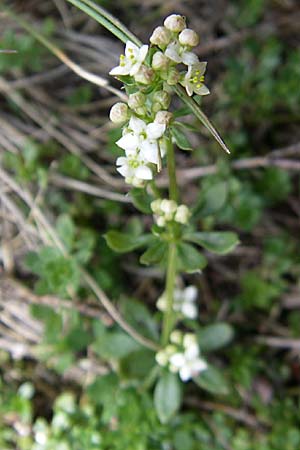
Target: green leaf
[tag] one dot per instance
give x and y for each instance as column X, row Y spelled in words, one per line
column 213, row 381
column 141, row 200
column 215, row 336
column 155, row 253
column 115, row 345
column 123, row 243
column 217, row 242
column 57, row 273
column 212, row 199
column 167, row 396
column 138, row 364
column 66, row 230
column 200, row 115
column 180, row 139
column 106, row 19
column 189, row 259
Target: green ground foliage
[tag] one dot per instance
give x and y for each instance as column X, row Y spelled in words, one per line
column 84, row 383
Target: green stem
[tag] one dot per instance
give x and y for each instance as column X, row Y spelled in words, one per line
column 168, row 320
column 173, row 190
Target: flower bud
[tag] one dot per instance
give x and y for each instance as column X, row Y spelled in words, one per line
column 162, row 303
column 162, row 358
column 182, row 214
column 144, row 76
column 163, row 117
column 168, row 207
column 189, row 37
column 161, row 36
column 155, row 206
column 163, row 98
column 189, row 339
column 161, row 221
column 160, row 61
column 136, row 100
column 175, row 23
column 173, row 76
column 176, row 337
column 119, row 113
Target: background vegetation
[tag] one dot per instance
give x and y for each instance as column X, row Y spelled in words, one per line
column 70, row 377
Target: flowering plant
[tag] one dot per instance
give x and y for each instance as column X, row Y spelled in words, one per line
column 151, row 75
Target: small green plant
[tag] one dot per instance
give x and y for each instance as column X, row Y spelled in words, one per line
column 149, row 132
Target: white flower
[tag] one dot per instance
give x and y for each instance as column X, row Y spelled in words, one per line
column 179, row 54
column 168, row 208
column 194, row 79
column 134, row 166
column 142, row 136
column 131, row 62
column 182, row 214
column 185, row 301
column 187, row 363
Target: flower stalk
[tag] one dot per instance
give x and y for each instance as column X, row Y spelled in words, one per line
column 168, row 320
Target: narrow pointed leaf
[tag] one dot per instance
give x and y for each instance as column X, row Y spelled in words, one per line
column 200, row 115
column 106, row 20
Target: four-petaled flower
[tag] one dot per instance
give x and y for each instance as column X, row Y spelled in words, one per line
column 194, row 79
column 188, row 363
column 179, row 54
column 184, row 302
column 131, row 62
column 134, row 166
column 143, row 137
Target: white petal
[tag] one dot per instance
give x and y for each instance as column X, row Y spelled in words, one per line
column 137, row 125
column 190, row 293
column 131, row 48
column 198, row 366
column 155, row 130
column 144, row 173
column 143, row 53
column 201, row 66
column 120, row 70
column 189, row 310
column 185, row 373
column 189, row 58
column 125, row 171
column 172, row 53
column 178, row 359
column 192, row 352
column 149, row 151
column 203, row 90
column 135, row 68
column 189, row 89
column 128, row 142
column 121, row 161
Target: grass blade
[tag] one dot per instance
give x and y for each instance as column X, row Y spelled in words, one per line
column 200, row 115
column 106, row 20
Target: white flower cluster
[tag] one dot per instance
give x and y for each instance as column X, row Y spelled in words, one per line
column 141, row 144
column 147, row 112
column 184, row 302
column 182, row 356
column 168, row 211
column 175, row 42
